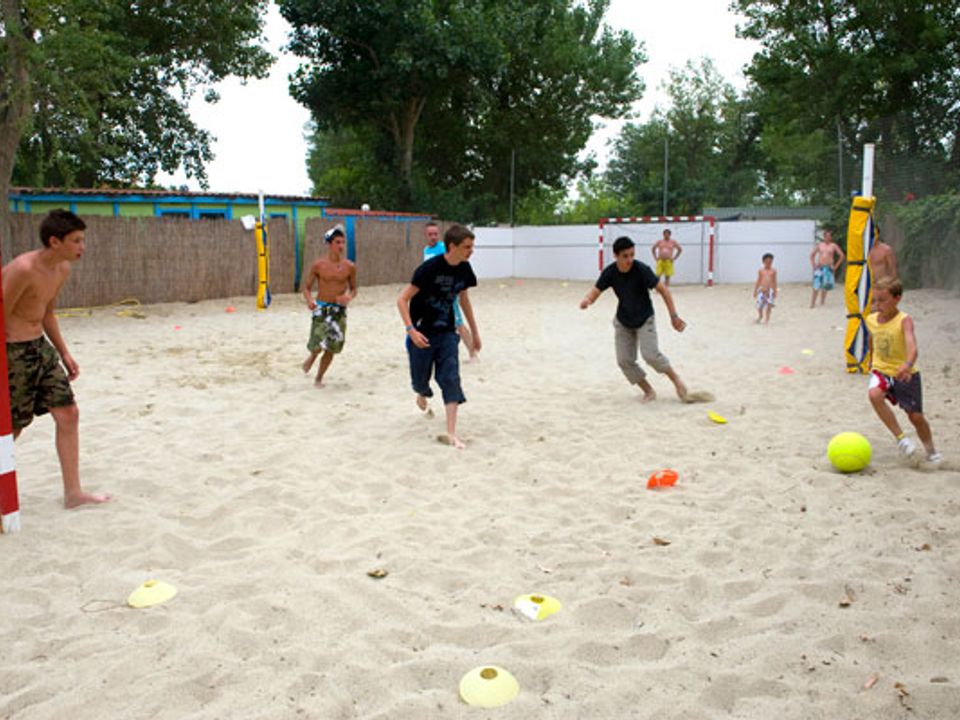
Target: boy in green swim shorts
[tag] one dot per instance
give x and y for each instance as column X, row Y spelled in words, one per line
column 39, row 383
column 336, row 280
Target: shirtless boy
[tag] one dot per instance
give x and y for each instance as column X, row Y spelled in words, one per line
column 665, row 251
column 825, row 259
column 765, row 289
column 336, row 280
column 36, row 349
column 883, row 262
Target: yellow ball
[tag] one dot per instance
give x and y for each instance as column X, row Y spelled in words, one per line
column 849, row 452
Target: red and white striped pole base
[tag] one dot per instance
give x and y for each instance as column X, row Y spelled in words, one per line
column 9, row 498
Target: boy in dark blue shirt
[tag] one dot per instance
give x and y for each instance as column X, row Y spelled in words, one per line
column 634, row 323
column 426, row 306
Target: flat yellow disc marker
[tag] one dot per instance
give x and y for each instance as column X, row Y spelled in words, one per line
column 488, row 687
column 718, row 419
column 152, row 592
column 536, row 607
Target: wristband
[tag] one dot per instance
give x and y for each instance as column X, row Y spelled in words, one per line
column 674, row 316
column 408, row 328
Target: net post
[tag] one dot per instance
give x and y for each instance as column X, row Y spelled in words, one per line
column 603, row 222
column 9, row 497
column 711, row 220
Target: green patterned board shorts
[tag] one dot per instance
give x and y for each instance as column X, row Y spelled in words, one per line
column 38, row 381
column 328, row 331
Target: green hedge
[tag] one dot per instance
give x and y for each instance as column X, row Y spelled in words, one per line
column 928, row 253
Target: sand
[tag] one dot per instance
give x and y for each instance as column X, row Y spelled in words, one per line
column 776, row 587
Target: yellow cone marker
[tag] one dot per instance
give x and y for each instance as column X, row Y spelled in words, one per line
column 536, row 607
column 806, row 351
column 488, row 687
column 718, row 419
column 152, row 592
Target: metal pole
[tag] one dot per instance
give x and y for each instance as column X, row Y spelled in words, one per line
column 868, row 151
column 666, row 170
column 513, row 167
column 839, row 160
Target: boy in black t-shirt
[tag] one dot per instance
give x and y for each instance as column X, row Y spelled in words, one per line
column 634, row 323
column 426, row 306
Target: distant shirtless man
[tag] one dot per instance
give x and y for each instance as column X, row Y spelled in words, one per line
column 36, row 349
column 883, row 262
column 336, row 280
column 825, row 259
column 665, row 251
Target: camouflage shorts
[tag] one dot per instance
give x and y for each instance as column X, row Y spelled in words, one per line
column 328, row 330
column 38, row 381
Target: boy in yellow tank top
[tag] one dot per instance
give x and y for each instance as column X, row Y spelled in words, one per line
column 894, row 376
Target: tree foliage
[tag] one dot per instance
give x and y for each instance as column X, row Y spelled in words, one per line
column 461, row 89
column 710, row 134
column 110, row 81
column 883, row 71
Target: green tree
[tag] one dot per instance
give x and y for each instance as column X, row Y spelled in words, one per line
column 711, row 140
column 95, row 91
column 460, row 88
column 884, row 71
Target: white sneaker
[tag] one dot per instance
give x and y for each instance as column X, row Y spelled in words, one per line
column 907, row 446
column 935, row 457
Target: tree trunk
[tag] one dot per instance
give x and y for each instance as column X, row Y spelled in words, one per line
column 408, row 126
column 14, row 104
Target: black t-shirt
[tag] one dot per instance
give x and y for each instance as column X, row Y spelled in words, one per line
column 439, row 283
column 632, row 288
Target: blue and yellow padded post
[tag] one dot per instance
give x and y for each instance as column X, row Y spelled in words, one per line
column 861, row 236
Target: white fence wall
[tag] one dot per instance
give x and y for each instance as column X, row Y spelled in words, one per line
column 569, row 252
column 493, row 254
column 742, row 244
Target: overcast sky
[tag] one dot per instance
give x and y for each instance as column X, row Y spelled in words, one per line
column 260, row 128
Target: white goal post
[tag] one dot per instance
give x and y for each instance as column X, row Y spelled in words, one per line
column 695, row 233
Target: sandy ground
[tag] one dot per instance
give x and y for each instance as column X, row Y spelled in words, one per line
column 783, row 589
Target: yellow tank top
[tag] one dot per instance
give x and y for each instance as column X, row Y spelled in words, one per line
column 889, row 343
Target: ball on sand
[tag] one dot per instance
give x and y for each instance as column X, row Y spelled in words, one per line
column 849, row 452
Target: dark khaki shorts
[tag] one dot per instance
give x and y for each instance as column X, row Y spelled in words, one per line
column 38, row 381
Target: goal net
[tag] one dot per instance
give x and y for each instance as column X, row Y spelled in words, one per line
column 696, row 235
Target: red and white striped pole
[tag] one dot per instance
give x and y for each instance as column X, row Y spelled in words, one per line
column 600, row 246
column 9, row 498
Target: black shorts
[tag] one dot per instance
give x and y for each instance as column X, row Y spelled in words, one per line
column 908, row 394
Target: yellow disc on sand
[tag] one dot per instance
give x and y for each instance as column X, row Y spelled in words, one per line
column 718, row 419
column 849, row 452
column 152, row 592
column 806, row 351
column 536, row 607
column 488, row 687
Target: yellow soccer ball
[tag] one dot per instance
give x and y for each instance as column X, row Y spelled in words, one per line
column 849, row 452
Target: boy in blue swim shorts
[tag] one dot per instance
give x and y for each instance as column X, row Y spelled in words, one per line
column 825, row 259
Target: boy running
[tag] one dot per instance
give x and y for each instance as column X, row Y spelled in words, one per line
column 426, row 307
column 894, row 376
column 36, row 349
column 634, row 323
column 336, row 279
column 436, row 247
